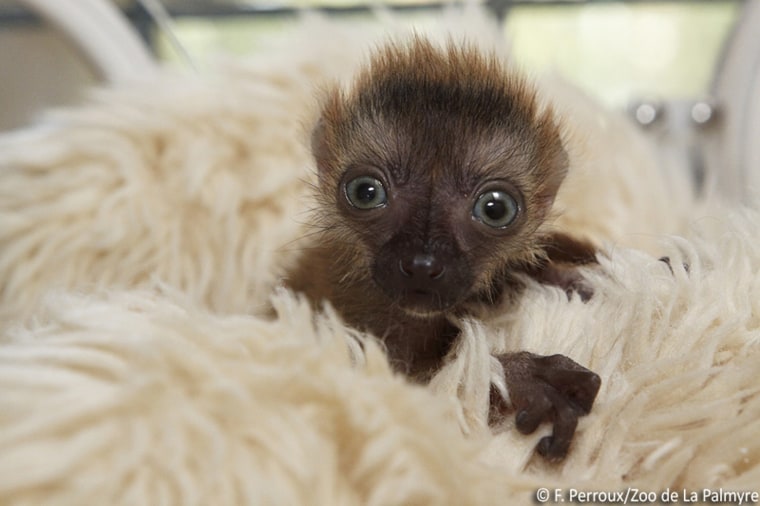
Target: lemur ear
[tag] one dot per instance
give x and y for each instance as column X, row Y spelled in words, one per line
column 556, row 170
column 319, row 145
column 324, row 142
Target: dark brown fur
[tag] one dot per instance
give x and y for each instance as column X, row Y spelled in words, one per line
column 437, row 129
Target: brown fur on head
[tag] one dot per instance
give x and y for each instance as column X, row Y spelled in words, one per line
column 435, row 129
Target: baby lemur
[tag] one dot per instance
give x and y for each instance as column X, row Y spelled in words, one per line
column 436, row 173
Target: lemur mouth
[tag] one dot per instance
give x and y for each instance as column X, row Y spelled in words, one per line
column 419, row 290
column 423, row 303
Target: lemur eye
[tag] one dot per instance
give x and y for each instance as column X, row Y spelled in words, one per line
column 497, row 209
column 366, row 192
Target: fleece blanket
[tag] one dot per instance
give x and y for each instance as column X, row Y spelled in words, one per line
column 149, row 356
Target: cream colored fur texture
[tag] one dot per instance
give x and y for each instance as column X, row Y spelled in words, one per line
column 142, row 236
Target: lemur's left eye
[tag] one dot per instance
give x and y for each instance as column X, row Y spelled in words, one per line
column 366, row 192
column 495, row 208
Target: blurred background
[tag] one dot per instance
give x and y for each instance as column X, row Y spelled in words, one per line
column 670, row 65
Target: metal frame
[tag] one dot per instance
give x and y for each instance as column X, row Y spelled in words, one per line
column 104, row 37
column 732, row 150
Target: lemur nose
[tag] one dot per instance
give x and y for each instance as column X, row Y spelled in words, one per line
column 422, row 267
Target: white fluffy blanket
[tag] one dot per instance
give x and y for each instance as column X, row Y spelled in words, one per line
column 141, row 240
